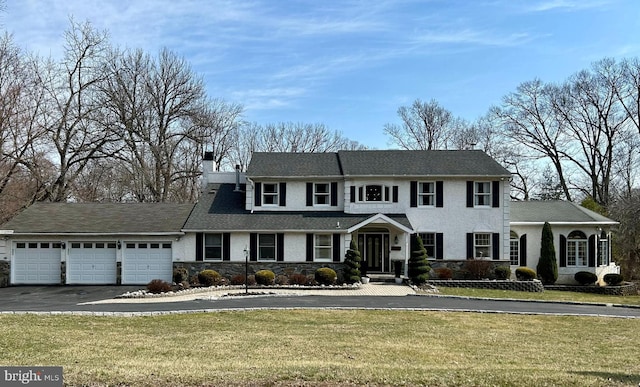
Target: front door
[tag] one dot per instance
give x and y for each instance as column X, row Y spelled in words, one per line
column 375, row 252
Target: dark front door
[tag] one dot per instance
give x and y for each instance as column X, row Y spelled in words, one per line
column 374, row 250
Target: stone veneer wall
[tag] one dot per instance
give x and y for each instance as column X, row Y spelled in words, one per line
column 5, row 274
column 522, row 286
column 231, row 269
column 626, row 289
column 458, row 267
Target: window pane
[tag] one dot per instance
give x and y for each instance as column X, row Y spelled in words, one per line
column 267, row 246
column 482, row 245
column 322, row 188
column 270, row 188
column 213, row 239
column 514, row 251
column 426, row 188
column 374, row 193
column 213, row 253
column 323, row 240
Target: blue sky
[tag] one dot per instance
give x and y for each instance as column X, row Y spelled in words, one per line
column 351, row 64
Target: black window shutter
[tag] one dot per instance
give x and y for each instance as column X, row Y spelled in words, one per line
column 279, row 247
column 258, row 195
column 309, row 248
column 495, row 194
column 523, row 250
column 563, row 251
column 470, row 254
column 253, row 246
column 469, row 193
column 334, row 194
column 352, row 190
column 413, row 200
column 592, row 251
column 199, row 246
column 226, row 246
column 309, row 194
column 395, row 194
column 495, row 244
column 439, row 197
column 336, row 248
column 386, row 194
column 360, row 194
column 439, row 246
column 283, row 194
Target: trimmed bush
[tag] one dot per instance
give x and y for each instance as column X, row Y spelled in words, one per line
column 209, row 277
column 326, row 276
column 237, row 279
column 613, row 279
column 547, row 265
column 352, row 261
column 585, row 278
column 180, row 275
column 502, row 272
column 525, row 274
column 418, row 264
column 478, row 269
column 265, row 277
column 444, row 273
column 158, row 286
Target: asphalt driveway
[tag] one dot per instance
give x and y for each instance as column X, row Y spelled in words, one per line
column 80, row 298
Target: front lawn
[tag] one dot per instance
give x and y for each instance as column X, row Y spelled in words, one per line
column 547, row 295
column 328, row 348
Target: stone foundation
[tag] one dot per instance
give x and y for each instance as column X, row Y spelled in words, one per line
column 522, row 286
column 232, row 269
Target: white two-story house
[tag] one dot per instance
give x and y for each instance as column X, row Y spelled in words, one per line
column 291, row 210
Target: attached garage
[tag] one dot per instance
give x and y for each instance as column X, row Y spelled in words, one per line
column 36, row 263
column 92, row 263
column 146, row 261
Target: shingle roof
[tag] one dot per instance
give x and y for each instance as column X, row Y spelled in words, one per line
column 107, row 218
column 554, row 212
column 375, row 163
column 420, row 163
column 222, row 209
column 294, row 165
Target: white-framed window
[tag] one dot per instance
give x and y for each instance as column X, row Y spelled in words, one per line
column 429, row 243
column 270, row 194
column 321, row 194
column 267, row 247
column 577, row 249
column 482, row 245
column 514, row 248
column 322, row 247
column 482, row 193
column 374, row 193
column 427, row 194
column 603, row 252
column 213, row 247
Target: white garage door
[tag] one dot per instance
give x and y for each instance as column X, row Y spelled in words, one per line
column 146, row 261
column 36, row 263
column 92, row 263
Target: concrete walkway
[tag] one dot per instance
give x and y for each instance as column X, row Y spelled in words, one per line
column 370, row 289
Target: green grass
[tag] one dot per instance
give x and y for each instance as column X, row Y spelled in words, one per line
column 547, row 295
column 328, row 348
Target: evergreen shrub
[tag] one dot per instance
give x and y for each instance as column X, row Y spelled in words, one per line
column 613, row 279
column 525, row 274
column 209, row 277
column 585, row 278
column 265, row 277
column 502, row 272
column 326, row 276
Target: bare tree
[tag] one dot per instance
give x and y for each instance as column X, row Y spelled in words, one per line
column 528, row 118
column 425, row 126
column 71, row 113
column 626, row 209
